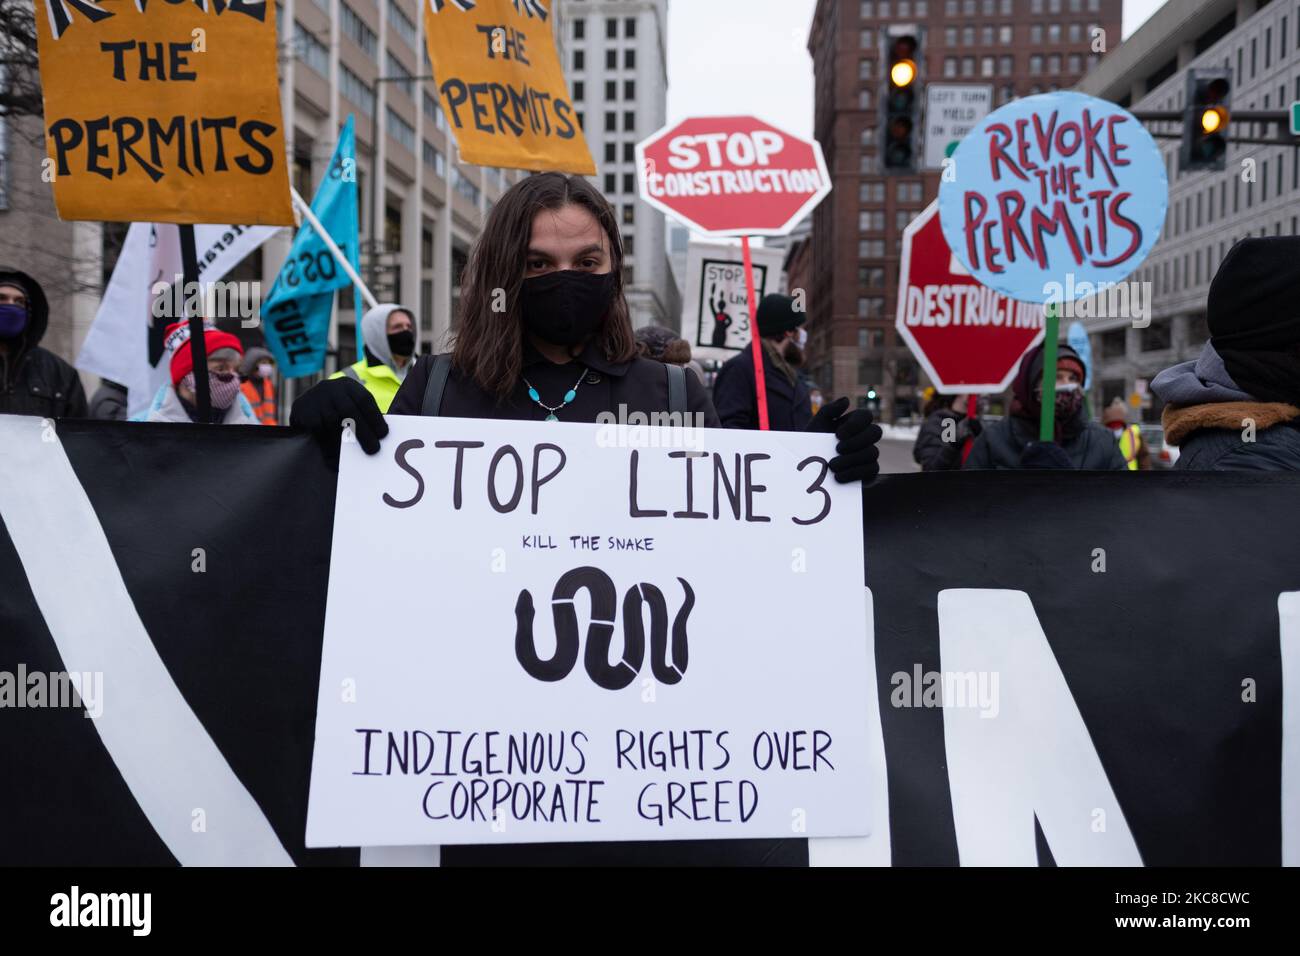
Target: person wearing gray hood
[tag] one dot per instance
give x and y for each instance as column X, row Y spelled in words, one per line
column 1237, row 406
column 390, row 338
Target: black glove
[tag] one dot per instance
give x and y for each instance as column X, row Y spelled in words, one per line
column 858, row 458
column 1045, row 454
column 969, row 428
column 324, row 409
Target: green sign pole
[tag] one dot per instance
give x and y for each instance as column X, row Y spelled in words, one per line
column 1047, row 420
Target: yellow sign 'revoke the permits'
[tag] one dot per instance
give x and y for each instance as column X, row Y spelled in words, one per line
column 163, row 111
column 502, row 87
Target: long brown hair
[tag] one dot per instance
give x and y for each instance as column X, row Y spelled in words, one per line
column 489, row 344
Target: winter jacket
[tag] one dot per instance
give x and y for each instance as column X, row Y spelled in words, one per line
column 109, row 402
column 1210, row 418
column 618, row 388
column 33, row 380
column 1213, row 436
column 377, row 370
column 931, row 452
column 1000, row 445
column 167, row 407
column 789, row 405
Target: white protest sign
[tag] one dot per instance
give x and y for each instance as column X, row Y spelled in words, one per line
column 715, row 302
column 951, row 111
column 574, row 632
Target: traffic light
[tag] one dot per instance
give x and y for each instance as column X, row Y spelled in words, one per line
column 1205, row 121
column 901, row 102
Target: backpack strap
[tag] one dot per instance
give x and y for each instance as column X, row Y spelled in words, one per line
column 676, row 389
column 351, row 373
column 436, row 385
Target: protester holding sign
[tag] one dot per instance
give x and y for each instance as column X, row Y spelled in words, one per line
column 33, row 380
column 1080, row 444
column 391, row 339
column 545, row 336
column 780, row 328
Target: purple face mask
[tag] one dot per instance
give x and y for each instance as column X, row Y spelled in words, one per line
column 13, row 320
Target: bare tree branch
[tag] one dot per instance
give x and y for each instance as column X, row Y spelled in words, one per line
column 20, row 92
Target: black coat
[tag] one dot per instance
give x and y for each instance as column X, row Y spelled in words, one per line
column 931, row 452
column 33, row 380
column 622, row 388
column 1091, row 448
column 789, row 408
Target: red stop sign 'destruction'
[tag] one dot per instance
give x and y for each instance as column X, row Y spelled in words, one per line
column 732, row 175
column 966, row 336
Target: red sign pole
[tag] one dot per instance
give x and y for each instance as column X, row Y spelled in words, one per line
column 972, row 409
column 756, row 347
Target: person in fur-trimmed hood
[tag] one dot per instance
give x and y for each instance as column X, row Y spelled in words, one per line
column 1237, row 406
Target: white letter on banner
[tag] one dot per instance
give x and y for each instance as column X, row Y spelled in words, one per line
column 1288, row 608
column 1035, row 758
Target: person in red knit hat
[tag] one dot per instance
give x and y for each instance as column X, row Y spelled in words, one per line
column 179, row 402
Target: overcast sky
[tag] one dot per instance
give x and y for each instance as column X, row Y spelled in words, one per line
column 750, row 56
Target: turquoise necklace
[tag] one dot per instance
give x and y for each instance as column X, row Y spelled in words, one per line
column 569, row 396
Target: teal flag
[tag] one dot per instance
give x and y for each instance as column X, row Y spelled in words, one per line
column 296, row 314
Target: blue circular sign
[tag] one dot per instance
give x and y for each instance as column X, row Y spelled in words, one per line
column 1053, row 195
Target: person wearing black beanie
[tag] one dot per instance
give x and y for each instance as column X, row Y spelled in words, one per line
column 789, row 405
column 1237, row 406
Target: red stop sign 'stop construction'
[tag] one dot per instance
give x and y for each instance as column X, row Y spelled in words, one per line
column 732, row 175
column 967, row 337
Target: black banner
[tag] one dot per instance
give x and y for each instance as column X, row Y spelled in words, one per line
column 1158, row 595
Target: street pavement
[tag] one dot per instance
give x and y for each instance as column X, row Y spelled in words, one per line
column 896, row 456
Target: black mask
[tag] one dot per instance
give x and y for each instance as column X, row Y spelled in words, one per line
column 567, row 307
column 402, row 344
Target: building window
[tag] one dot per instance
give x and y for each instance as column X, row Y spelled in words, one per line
column 611, row 183
column 579, row 91
column 1156, row 337
column 866, row 39
column 311, row 51
column 611, row 121
column 401, row 130
column 356, row 30
column 403, row 25
column 629, row 59
column 433, row 159
column 611, row 59
column 1114, row 343
column 611, row 90
column 395, row 67
column 579, row 60
column 629, row 121
column 628, row 214
column 629, row 183
column 629, row 27
column 629, row 89
column 950, row 66
column 611, row 28
column 352, row 87
column 580, row 29
column 611, row 152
